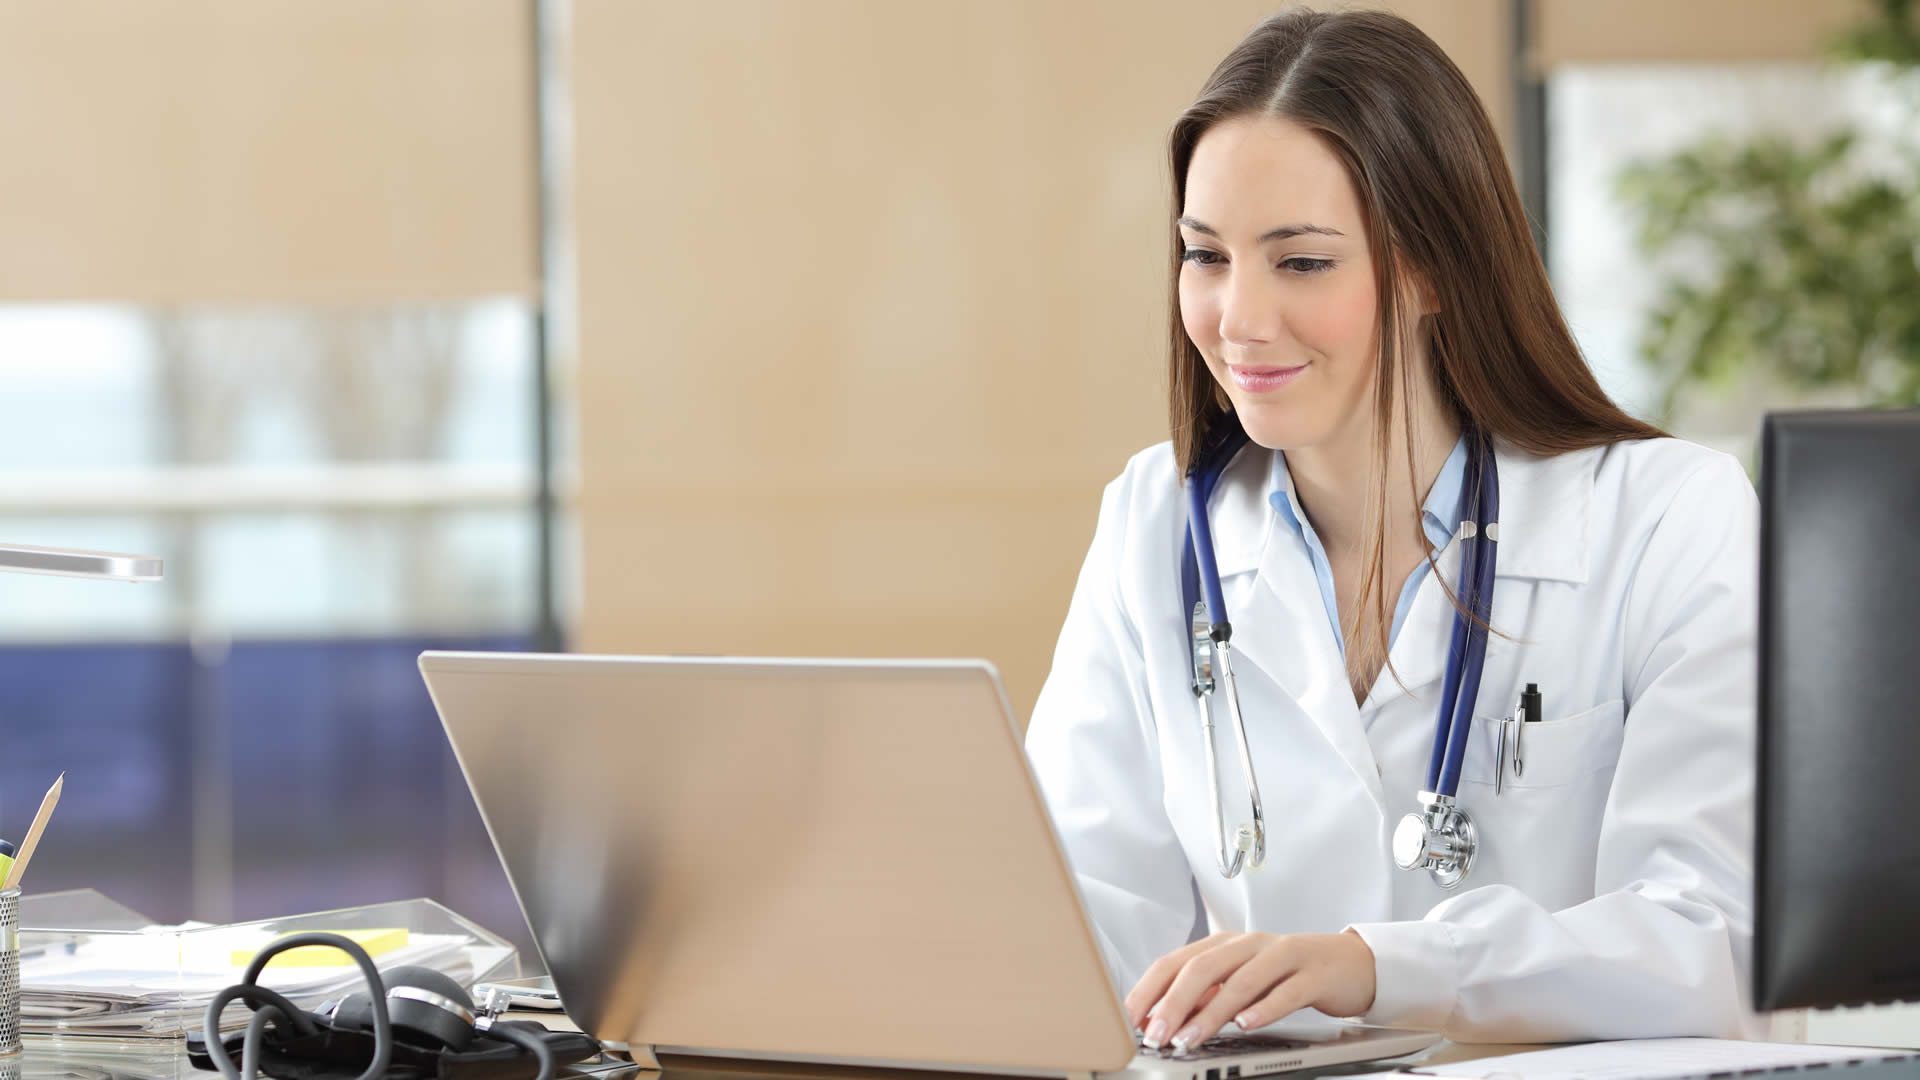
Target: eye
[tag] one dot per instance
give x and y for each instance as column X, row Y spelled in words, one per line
column 1300, row 264
column 1200, row 256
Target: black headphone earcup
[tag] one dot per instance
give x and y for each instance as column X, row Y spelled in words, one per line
column 445, row 1020
column 355, row 1012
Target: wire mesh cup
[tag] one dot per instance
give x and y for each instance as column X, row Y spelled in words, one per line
column 9, row 971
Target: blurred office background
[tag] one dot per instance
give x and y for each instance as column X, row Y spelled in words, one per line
column 747, row 326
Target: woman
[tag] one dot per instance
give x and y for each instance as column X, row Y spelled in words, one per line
column 1358, row 311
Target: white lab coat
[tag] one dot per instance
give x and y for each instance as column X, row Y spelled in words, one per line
column 1612, row 893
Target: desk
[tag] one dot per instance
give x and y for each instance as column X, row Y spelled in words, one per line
column 51, row 1057
column 67, row 1057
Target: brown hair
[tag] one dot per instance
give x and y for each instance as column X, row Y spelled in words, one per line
column 1437, row 198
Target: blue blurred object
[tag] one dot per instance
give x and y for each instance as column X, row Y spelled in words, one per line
column 264, row 779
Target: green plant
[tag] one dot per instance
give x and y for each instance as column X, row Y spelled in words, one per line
column 1892, row 35
column 1798, row 262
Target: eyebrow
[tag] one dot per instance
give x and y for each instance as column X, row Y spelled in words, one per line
column 1281, row 233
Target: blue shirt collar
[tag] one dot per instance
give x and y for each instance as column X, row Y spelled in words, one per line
column 1440, row 514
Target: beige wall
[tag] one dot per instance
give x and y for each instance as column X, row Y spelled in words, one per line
column 871, row 308
column 259, row 150
column 1688, row 31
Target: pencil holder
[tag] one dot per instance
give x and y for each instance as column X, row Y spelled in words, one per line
column 9, row 971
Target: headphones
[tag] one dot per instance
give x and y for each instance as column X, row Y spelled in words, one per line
column 426, row 1008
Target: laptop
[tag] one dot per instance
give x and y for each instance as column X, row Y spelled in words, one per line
column 830, row 861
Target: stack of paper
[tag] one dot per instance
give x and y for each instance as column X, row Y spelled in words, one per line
column 160, row 983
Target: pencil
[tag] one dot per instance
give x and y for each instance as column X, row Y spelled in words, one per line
column 33, row 833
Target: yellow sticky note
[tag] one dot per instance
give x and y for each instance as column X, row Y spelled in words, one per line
column 376, row 942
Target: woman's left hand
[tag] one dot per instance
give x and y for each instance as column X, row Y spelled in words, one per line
column 1251, row 979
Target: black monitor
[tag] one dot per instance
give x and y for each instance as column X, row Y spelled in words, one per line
column 1837, row 887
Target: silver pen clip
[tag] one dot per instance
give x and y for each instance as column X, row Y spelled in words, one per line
column 1519, row 733
column 1512, row 727
column 1500, row 756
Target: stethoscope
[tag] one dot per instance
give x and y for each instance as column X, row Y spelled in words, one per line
column 1440, row 837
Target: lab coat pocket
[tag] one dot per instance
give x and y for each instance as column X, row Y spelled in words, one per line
column 1551, row 752
column 1541, row 832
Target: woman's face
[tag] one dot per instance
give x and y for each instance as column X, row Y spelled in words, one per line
column 1277, row 283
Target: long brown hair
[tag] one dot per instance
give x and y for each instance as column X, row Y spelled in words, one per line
column 1437, row 197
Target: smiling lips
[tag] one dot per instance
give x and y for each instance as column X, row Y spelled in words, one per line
column 1260, row 380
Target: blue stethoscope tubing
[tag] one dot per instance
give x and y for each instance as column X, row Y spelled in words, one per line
column 1446, row 841
column 1467, row 651
column 1211, row 647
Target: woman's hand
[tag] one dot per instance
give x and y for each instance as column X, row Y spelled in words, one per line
column 1251, row 979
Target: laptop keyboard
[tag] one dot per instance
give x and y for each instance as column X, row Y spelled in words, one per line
column 1222, row 1046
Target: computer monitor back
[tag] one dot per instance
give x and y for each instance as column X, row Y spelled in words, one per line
column 1838, row 860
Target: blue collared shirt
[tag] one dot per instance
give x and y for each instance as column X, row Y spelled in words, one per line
column 1440, row 517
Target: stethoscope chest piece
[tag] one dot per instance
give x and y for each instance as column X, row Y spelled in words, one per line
column 1440, row 839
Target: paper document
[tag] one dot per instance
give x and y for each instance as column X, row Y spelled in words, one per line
column 161, row 983
column 1654, row 1059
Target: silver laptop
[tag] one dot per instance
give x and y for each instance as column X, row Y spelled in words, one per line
column 830, row 861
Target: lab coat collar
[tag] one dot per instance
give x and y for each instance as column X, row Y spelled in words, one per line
column 1545, row 507
column 1280, row 628
column 1545, row 513
column 1242, row 519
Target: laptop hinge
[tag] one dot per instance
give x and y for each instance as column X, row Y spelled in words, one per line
column 640, row 1053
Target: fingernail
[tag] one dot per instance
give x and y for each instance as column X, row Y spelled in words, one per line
column 1156, row 1033
column 1245, row 1020
column 1187, row 1037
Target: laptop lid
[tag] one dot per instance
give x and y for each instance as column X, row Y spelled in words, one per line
column 811, row 859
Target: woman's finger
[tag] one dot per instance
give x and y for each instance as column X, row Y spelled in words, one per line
column 1252, row 981
column 1289, row 997
column 1176, row 1007
column 1153, row 985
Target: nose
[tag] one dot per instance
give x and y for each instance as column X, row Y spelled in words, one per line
column 1249, row 312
